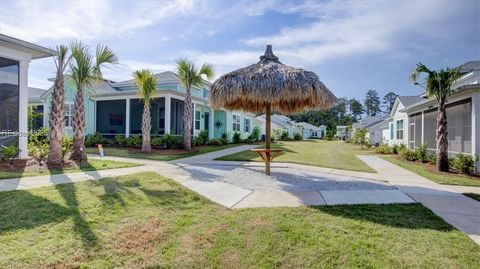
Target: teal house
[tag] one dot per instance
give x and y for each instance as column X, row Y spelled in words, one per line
column 114, row 108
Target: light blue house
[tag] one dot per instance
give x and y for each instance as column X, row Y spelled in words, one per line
column 114, row 108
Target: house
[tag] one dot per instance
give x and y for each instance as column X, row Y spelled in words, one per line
column 114, row 108
column 463, row 116
column 374, row 125
column 36, row 108
column 280, row 122
column 15, row 57
column 398, row 130
column 343, row 132
column 311, row 131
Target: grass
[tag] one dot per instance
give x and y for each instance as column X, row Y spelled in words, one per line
column 148, row 221
column 91, row 165
column 439, row 177
column 124, row 152
column 332, row 154
column 475, row 196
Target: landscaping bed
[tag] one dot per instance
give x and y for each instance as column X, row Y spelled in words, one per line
column 148, row 221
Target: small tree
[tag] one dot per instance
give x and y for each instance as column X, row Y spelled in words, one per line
column 361, row 136
column 147, row 88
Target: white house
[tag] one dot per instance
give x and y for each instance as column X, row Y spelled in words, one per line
column 463, row 116
column 374, row 125
column 398, row 121
column 281, row 122
column 343, row 132
column 15, row 57
column 311, row 131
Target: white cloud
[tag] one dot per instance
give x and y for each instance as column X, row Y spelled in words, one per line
column 35, row 20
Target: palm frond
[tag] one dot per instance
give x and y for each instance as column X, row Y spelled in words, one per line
column 189, row 74
column 104, row 57
column 147, row 84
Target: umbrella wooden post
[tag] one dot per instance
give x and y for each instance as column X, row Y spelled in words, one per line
column 267, row 137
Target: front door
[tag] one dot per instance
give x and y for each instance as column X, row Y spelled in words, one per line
column 206, row 118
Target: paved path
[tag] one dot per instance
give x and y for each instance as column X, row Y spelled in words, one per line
column 445, row 201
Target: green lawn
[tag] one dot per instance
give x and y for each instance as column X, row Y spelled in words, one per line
column 147, row 221
column 332, row 154
column 91, row 165
column 124, row 152
column 439, row 177
column 475, row 196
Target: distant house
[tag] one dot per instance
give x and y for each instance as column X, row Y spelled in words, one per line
column 374, row 125
column 397, row 131
column 311, row 131
column 281, row 122
column 343, row 132
column 463, row 116
column 36, row 105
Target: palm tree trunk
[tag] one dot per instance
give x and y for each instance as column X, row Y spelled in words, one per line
column 57, row 122
column 146, row 127
column 78, row 153
column 187, row 120
column 442, row 137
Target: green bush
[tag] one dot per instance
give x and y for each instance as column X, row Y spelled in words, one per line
column 224, row 138
column 464, row 163
column 93, row 140
column 157, row 141
column 255, row 134
column 284, row 136
column 40, row 136
column 120, row 139
column 408, row 154
column 38, row 143
column 397, row 148
column 8, row 152
column 135, row 140
column 203, row 135
column 236, row 138
column 215, row 142
column 297, row 137
column 67, row 145
column 432, row 159
column 173, row 141
column 197, row 141
column 330, row 135
column 277, row 133
column 422, row 153
column 384, row 149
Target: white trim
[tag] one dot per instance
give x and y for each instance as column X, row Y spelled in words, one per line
column 23, row 108
column 127, row 117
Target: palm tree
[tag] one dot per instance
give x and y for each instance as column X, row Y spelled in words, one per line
column 85, row 70
column 147, row 87
column 190, row 76
column 57, row 111
column 439, row 84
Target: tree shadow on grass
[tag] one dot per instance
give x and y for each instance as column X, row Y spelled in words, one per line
column 81, row 226
column 23, row 210
column 408, row 216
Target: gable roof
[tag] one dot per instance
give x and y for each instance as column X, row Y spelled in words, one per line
column 470, row 66
column 369, row 121
column 34, row 50
column 162, row 77
column 280, row 120
column 409, row 100
column 35, row 92
column 307, row 125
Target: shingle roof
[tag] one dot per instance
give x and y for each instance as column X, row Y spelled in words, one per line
column 470, row 66
column 370, row 121
column 35, row 92
column 409, row 100
column 162, row 76
column 309, row 126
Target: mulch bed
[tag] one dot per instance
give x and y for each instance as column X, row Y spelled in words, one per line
column 161, row 151
column 32, row 164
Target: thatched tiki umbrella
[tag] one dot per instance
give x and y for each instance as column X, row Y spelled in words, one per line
column 270, row 86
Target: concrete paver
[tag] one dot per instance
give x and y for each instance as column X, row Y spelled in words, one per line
column 365, row 197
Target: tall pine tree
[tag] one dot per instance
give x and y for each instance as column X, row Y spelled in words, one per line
column 372, row 103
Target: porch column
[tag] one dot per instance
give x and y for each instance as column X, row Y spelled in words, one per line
column 212, row 124
column 423, row 127
column 23, row 110
column 168, row 112
column 127, row 117
column 194, row 115
column 476, row 124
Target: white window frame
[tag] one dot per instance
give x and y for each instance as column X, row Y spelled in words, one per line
column 400, row 131
column 68, row 115
column 246, row 127
column 236, row 123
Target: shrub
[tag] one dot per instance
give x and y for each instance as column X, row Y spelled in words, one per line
column 236, row 138
column 38, row 143
column 397, row 148
column 134, row 140
column 93, row 140
column 255, row 134
column 67, row 145
column 297, row 137
column 284, row 136
column 215, row 142
column 197, row 141
column 277, row 134
column 464, row 163
column 224, row 138
column 422, row 153
column 8, row 152
column 408, row 154
column 330, row 135
column 384, row 149
column 432, row 159
column 368, row 144
column 40, row 136
column 157, row 141
column 360, row 137
column 120, row 139
column 203, row 135
column 173, row 141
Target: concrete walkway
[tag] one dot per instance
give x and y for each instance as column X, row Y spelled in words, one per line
column 445, row 201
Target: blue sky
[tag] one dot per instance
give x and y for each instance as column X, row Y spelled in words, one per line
column 353, row 46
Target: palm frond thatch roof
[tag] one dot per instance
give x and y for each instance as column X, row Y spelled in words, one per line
column 269, row 82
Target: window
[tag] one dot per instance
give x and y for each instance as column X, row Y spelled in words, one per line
column 236, row 123
column 9, row 95
column 399, row 129
column 197, row 120
column 68, row 115
column 247, row 125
